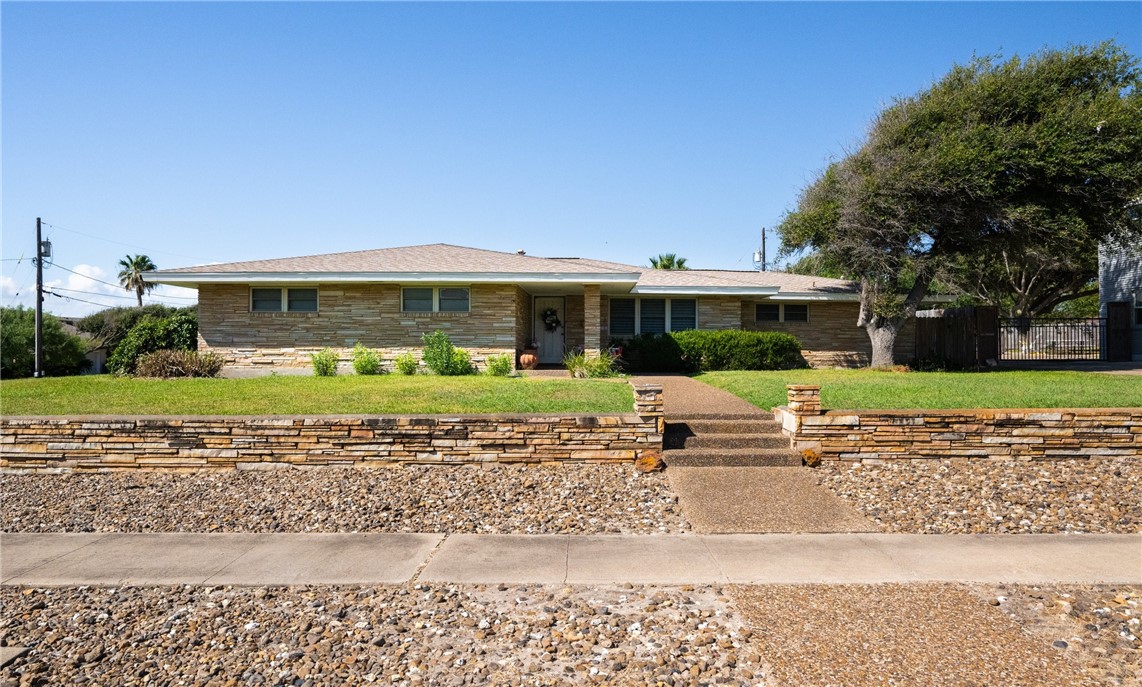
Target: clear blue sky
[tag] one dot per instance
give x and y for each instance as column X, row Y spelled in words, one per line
column 205, row 132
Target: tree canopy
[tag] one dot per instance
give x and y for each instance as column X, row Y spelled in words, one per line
column 131, row 275
column 64, row 353
column 668, row 261
column 1032, row 158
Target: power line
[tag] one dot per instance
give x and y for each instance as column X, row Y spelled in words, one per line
column 121, row 243
column 119, row 286
column 111, row 295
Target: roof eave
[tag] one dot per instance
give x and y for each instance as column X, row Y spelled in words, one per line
column 195, row 278
column 705, row 290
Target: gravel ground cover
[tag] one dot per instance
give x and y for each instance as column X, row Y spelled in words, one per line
column 580, row 499
column 414, row 635
column 994, row 496
column 922, row 635
column 1096, row 627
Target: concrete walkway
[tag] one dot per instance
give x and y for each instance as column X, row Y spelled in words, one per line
column 686, row 397
column 296, row 559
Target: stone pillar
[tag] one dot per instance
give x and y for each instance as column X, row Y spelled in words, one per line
column 804, row 399
column 648, row 404
column 592, row 320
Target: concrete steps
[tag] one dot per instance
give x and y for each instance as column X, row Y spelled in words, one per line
column 727, row 441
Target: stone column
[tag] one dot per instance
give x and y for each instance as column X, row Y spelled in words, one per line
column 592, row 320
column 804, row 399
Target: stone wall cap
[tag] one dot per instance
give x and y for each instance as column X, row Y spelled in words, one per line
column 985, row 412
column 803, row 387
column 224, row 418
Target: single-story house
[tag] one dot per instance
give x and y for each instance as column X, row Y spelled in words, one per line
column 1120, row 280
column 271, row 313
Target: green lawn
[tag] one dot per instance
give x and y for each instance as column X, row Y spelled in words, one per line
column 857, row 389
column 304, row 395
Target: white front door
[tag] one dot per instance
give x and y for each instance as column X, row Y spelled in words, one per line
column 550, row 331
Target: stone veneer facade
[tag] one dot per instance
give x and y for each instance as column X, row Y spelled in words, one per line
column 348, row 313
column 65, row 444
column 831, row 337
column 1027, row 434
column 500, row 322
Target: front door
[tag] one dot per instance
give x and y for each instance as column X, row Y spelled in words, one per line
column 549, row 328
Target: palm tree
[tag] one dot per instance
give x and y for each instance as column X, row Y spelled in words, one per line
column 668, row 261
column 131, row 276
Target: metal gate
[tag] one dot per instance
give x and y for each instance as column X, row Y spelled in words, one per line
column 1052, row 338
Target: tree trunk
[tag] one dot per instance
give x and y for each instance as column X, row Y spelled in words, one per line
column 139, row 296
column 882, row 333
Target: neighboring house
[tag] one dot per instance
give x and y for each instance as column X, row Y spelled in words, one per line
column 1120, row 280
column 96, row 355
column 277, row 312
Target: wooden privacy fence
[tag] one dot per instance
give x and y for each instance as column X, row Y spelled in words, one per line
column 972, row 336
column 958, row 337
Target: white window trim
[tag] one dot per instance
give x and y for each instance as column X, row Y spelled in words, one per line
column 638, row 312
column 781, row 313
column 283, row 299
column 436, row 300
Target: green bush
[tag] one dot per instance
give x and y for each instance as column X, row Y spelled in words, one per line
column 499, row 365
column 443, row 358
column 652, row 353
column 110, row 326
column 324, row 363
column 366, row 361
column 63, row 353
column 406, row 364
column 176, row 332
column 168, row 363
column 734, row 349
column 581, row 365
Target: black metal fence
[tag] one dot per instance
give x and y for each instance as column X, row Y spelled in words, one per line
column 1052, row 338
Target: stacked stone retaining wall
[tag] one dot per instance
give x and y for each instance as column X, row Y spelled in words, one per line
column 103, row 443
column 1030, row 434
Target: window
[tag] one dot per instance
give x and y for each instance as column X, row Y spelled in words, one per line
column 453, row 300
column 416, row 300
column 1138, row 308
column 768, row 312
column 266, row 300
column 622, row 317
column 434, row 299
column 781, row 312
column 683, row 314
column 652, row 311
column 301, row 300
column 630, row 316
column 796, row 313
column 273, row 299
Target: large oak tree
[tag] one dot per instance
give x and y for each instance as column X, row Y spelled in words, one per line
column 1024, row 160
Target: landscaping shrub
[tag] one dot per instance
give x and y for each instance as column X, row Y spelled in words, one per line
column 178, row 363
column 406, row 364
column 499, row 365
column 324, row 363
column 176, row 332
column 705, row 351
column 443, row 358
column 581, row 365
column 63, row 352
column 733, row 349
column 110, row 326
column 652, row 353
column 366, row 361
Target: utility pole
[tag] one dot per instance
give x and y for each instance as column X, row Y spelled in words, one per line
column 39, row 301
column 759, row 256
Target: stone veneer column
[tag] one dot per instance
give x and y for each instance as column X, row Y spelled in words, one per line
column 804, row 399
column 592, row 316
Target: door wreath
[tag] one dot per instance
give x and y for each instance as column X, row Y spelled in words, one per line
column 550, row 318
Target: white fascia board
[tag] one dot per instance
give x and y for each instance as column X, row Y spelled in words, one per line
column 815, row 296
column 183, row 278
column 845, row 297
column 706, row 290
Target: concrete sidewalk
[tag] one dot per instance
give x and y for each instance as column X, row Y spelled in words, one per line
column 295, row 559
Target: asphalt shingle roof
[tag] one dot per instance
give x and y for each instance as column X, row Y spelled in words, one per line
column 446, row 258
